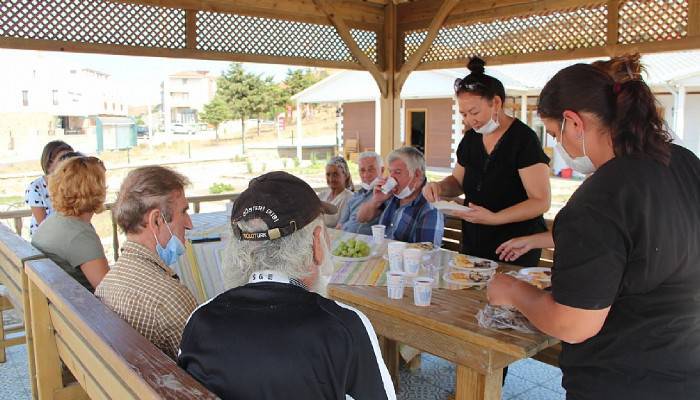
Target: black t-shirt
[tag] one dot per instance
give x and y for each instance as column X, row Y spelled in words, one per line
column 278, row 341
column 629, row 238
column 492, row 181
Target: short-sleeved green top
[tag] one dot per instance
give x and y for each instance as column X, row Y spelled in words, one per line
column 69, row 242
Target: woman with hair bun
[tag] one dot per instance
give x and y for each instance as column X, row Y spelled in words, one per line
column 624, row 297
column 501, row 169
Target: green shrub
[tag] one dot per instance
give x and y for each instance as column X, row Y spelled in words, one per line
column 218, row 188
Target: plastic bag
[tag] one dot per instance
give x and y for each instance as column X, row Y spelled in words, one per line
column 494, row 317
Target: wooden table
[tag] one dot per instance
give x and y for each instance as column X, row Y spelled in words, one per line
column 448, row 329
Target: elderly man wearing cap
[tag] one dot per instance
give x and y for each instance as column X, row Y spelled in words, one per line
column 273, row 338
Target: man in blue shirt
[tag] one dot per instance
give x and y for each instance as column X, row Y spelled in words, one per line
column 406, row 213
column 371, row 168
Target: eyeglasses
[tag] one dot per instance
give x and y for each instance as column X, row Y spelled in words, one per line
column 460, row 84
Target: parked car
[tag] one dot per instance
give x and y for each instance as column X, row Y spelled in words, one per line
column 141, row 131
column 183, row 129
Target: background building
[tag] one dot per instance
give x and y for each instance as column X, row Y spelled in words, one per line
column 183, row 96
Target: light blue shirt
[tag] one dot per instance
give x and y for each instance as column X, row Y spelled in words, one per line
column 348, row 219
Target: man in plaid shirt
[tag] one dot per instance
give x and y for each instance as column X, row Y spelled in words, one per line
column 404, row 211
column 141, row 288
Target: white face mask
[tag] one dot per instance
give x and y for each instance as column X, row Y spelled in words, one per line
column 405, row 192
column 489, row 127
column 371, row 185
column 582, row 164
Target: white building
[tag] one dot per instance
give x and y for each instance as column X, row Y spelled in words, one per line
column 183, row 96
column 45, row 97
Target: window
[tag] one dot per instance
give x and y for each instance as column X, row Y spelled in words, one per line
column 54, row 97
column 25, row 98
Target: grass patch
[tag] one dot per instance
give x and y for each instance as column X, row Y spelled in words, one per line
column 218, row 188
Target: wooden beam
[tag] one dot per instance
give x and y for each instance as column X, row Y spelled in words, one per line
column 688, row 43
column 613, row 22
column 54, row 45
column 358, row 14
column 418, row 15
column 694, row 17
column 390, row 103
column 191, row 29
column 435, row 25
column 338, row 22
column 48, row 363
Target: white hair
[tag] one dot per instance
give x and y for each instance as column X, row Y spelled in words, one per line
column 292, row 254
column 371, row 154
column 413, row 158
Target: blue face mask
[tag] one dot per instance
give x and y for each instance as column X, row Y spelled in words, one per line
column 173, row 249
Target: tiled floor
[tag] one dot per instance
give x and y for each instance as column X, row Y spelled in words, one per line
column 527, row 380
column 434, row 380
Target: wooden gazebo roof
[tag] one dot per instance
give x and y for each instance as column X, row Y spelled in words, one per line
column 387, row 38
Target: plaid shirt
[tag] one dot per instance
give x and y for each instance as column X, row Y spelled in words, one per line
column 349, row 216
column 417, row 221
column 149, row 296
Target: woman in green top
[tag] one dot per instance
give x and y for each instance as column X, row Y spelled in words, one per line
column 77, row 188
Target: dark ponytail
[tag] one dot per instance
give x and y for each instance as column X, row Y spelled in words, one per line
column 478, row 83
column 615, row 93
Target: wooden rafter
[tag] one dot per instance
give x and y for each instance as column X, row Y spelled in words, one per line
column 357, row 13
column 687, row 43
column 418, row 15
column 435, row 25
column 694, row 17
column 338, row 21
column 96, row 48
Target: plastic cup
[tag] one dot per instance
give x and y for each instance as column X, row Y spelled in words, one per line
column 395, row 251
column 422, row 291
column 432, row 271
column 411, row 261
column 395, row 285
column 378, row 232
column 389, row 185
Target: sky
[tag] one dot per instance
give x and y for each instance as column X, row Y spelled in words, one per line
column 142, row 76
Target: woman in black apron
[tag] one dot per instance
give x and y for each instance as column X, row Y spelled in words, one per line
column 501, row 169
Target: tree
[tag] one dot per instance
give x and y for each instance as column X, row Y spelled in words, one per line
column 298, row 80
column 216, row 112
column 241, row 91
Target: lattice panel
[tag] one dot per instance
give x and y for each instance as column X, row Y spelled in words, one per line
column 231, row 33
column 93, row 21
column 655, row 20
column 585, row 27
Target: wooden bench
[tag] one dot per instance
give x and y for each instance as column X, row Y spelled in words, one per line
column 14, row 251
column 107, row 357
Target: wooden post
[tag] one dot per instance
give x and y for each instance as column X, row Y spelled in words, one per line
column 48, row 363
column 390, row 353
column 390, row 104
column 28, row 334
column 613, row 22
column 471, row 385
column 115, row 236
column 693, row 17
column 18, row 226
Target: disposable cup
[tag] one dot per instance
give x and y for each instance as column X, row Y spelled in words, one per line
column 378, row 232
column 422, row 291
column 395, row 284
column 389, row 185
column 395, row 251
column 433, row 271
column 412, row 260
